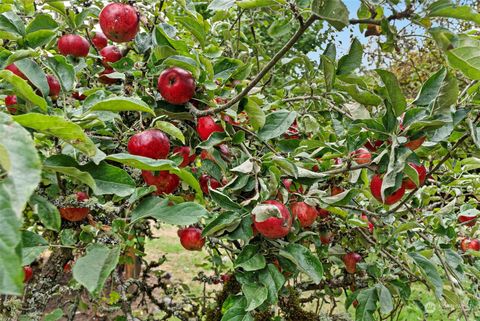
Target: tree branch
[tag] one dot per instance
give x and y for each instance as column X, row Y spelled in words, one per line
column 395, row 16
column 279, row 55
column 313, row 97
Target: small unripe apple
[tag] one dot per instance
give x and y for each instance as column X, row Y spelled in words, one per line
column 471, row 219
column 185, row 152
column 275, row 227
column 305, row 213
column 206, row 181
column 119, row 22
column 54, row 86
column 176, row 85
column 99, row 40
column 326, row 237
column 470, row 244
column 165, row 182
column 422, row 175
column 191, row 238
column 364, row 217
column 415, row 143
column 27, row 273
column 361, row 156
column 376, row 189
column 206, row 126
column 73, row 45
column 16, row 71
column 351, row 259
column 151, row 143
column 110, row 54
column 11, row 101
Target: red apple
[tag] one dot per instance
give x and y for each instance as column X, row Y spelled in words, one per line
column 275, row 227
column 351, row 260
column 292, row 132
column 176, row 85
column 73, row 45
column 54, row 86
column 119, row 22
column 206, row 126
column 326, row 237
column 364, row 217
column 471, row 219
column 99, row 40
column 415, row 143
column 110, row 54
column 27, row 273
column 165, row 182
column 422, row 175
column 334, row 190
column 373, row 146
column 75, row 214
column 204, row 154
column 305, row 213
column 151, row 143
column 225, row 278
column 470, row 244
column 16, row 71
column 355, row 303
column 191, row 238
column 376, row 189
column 323, row 213
column 104, row 79
column 81, row 196
column 76, row 95
column 67, row 268
column 185, row 152
column 206, row 181
column 361, row 156
column 11, row 101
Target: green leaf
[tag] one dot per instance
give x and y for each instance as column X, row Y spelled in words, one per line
column 276, row 124
column 223, row 200
column 93, row 269
column 255, row 113
column 35, row 74
column 449, row 10
column 110, row 179
column 40, row 38
column 23, row 89
column 249, row 259
column 68, row 166
column 351, row 61
column 255, row 294
column 46, row 211
column 170, row 129
column 273, row 280
column 184, row 62
column 250, row 4
column 305, row 260
column 196, row 27
column 180, row 214
column 140, row 162
column 367, row 304
column 466, row 58
column 394, row 92
column 333, row 11
column 20, row 161
column 224, row 222
column 55, row 315
column 11, row 24
column 328, row 65
column 412, row 174
column 118, row 104
column 214, row 139
column 62, row 70
column 430, row 271
column 32, row 246
column 217, row 5
column 384, row 298
column 225, row 67
column 440, row 89
column 41, row 22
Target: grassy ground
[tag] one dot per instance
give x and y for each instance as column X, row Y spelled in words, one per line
column 184, row 265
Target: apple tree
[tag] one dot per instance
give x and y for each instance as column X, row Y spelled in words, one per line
column 315, row 185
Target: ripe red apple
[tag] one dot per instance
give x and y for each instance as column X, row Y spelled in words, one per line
column 104, row 79
column 364, row 217
column 11, row 101
column 27, row 273
column 292, row 132
column 206, row 126
column 185, row 152
column 54, row 86
column 176, row 85
column 334, row 190
column 16, row 71
column 67, row 268
column 74, row 45
column 373, row 146
column 338, row 161
column 75, row 214
column 470, row 244
column 376, row 189
column 110, row 54
column 422, row 175
column 323, row 213
column 151, row 143
column 326, row 237
column 225, row 277
column 351, row 259
column 204, row 154
column 355, row 303
column 291, row 187
column 471, row 219
column 99, row 40
column 191, row 238
column 165, row 182
column 119, row 22
column 227, row 118
column 361, row 156
column 275, row 227
column 305, row 213
column 81, row 196
column 415, row 143
column 224, row 151
column 76, row 95
column 206, row 181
